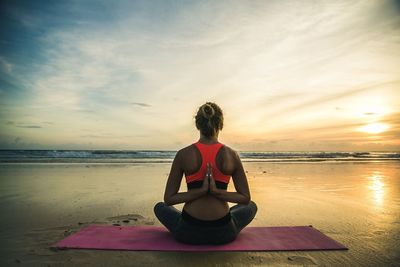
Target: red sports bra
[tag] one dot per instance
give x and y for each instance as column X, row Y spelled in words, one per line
column 208, row 155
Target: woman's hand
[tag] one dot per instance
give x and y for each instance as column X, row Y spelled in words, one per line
column 212, row 186
column 206, row 182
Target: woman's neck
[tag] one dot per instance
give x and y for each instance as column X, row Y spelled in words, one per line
column 208, row 140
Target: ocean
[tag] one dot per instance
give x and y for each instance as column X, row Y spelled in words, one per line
column 154, row 156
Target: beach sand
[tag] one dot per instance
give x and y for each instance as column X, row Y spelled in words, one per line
column 357, row 204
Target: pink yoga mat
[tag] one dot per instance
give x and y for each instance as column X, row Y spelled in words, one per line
column 159, row 239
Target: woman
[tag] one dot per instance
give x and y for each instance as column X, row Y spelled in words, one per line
column 208, row 166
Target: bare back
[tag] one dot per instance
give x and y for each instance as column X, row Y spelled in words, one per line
column 207, row 207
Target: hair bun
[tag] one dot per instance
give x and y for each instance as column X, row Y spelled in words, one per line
column 208, row 111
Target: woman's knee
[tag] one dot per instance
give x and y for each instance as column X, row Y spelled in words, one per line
column 253, row 206
column 158, row 207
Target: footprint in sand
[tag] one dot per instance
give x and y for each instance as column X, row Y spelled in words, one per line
column 129, row 219
column 379, row 232
column 301, row 260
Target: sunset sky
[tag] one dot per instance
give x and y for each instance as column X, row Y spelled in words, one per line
column 289, row 75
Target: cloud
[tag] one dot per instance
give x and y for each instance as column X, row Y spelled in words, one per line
column 393, row 120
column 327, row 98
column 83, row 110
column 140, row 104
column 97, row 136
column 6, row 66
column 273, row 67
column 111, row 136
column 29, row 126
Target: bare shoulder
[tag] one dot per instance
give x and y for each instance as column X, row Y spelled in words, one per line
column 232, row 162
column 185, row 152
column 230, row 153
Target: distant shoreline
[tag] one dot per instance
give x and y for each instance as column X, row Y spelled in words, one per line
column 169, row 161
column 155, row 156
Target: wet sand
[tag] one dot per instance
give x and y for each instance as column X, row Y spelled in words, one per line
column 357, row 204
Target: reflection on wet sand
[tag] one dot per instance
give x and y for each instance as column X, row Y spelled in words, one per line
column 377, row 188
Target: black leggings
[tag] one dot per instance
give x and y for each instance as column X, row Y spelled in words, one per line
column 186, row 231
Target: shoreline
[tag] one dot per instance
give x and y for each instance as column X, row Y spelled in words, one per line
column 129, row 161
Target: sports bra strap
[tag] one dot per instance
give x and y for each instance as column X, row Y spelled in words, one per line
column 208, row 154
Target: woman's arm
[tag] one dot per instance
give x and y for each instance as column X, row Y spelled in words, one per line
column 171, row 195
column 242, row 194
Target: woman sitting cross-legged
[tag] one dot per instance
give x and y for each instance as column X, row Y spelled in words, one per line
column 208, row 166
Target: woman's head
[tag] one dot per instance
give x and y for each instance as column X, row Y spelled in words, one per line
column 209, row 119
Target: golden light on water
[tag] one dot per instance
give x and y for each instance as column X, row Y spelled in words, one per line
column 374, row 128
column 377, row 188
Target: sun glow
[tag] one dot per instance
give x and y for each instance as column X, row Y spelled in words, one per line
column 374, row 128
